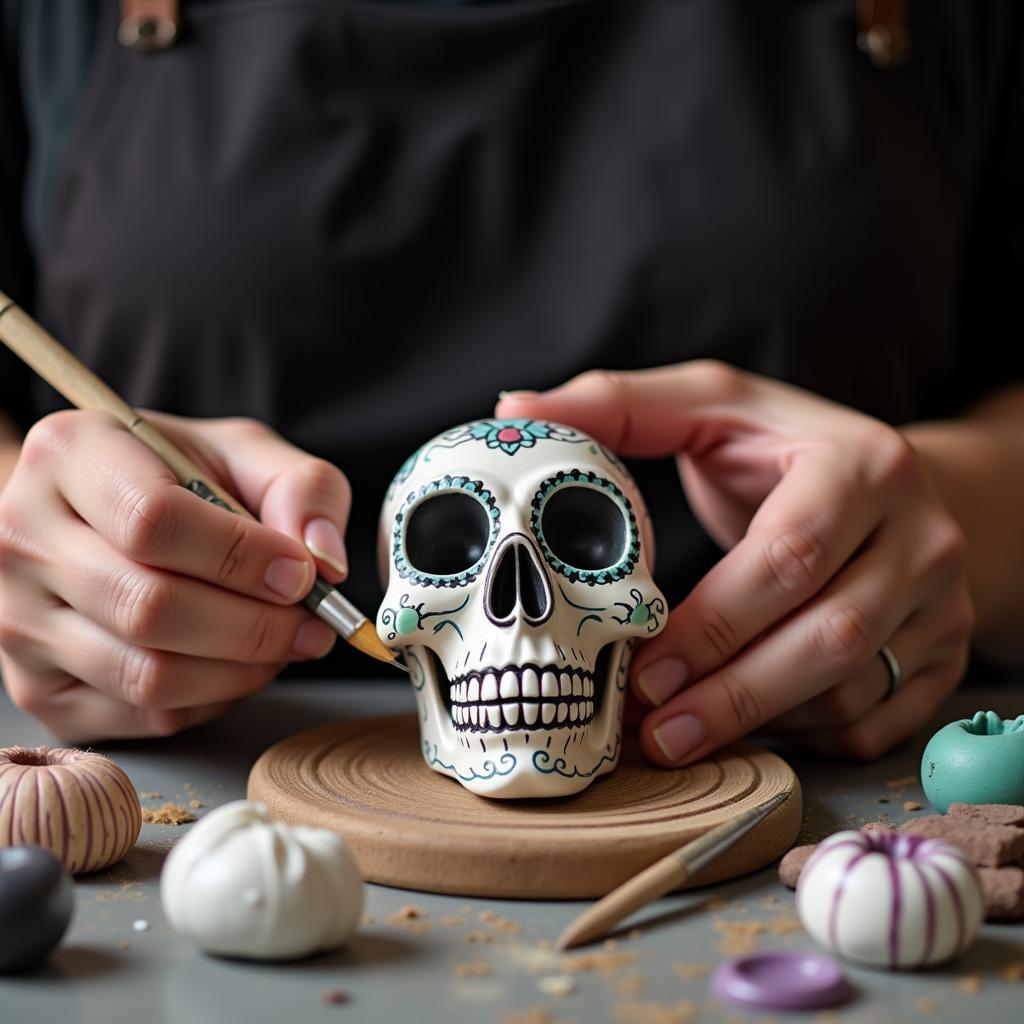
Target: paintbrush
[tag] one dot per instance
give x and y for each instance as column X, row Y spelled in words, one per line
column 82, row 388
column 663, row 876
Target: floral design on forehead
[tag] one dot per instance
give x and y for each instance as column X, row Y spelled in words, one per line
column 508, row 436
column 518, row 557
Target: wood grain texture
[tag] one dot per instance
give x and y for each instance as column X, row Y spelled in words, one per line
column 411, row 827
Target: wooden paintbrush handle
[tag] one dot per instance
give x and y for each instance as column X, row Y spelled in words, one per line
column 80, row 386
column 661, row 877
column 57, row 366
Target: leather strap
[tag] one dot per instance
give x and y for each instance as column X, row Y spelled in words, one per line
column 149, row 25
column 883, row 32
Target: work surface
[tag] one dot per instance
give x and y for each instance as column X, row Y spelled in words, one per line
column 424, row 958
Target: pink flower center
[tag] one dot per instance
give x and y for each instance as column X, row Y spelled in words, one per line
column 509, row 435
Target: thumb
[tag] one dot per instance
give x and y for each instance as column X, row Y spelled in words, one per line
column 290, row 490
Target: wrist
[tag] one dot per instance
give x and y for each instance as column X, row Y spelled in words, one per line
column 975, row 467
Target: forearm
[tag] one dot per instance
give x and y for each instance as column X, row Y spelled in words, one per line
column 976, row 464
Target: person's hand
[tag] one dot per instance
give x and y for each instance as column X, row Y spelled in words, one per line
column 836, row 546
column 128, row 605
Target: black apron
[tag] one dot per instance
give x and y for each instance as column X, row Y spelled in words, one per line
column 358, row 221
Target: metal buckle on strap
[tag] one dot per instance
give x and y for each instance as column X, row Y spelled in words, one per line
column 883, row 32
column 149, row 25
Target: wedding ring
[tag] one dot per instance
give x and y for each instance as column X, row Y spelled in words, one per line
column 895, row 672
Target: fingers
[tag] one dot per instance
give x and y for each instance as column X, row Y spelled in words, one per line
column 291, row 491
column 154, row 609
column 892, row 721
column 76, row 713
column 646, row 412
column 134, row 675
column 807, row 529
column 127, row 495
column 833, row 637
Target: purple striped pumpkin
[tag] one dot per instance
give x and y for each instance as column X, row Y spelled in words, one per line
column 890, row 900
column 78, row 805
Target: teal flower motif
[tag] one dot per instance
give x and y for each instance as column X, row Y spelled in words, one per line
column 510, row 435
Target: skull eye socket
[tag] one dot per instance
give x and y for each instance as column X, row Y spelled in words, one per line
column 446, row 534
column 585, row 527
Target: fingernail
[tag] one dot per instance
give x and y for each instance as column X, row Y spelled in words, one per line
column 323, row 539
column 288, row 577
column 314, row 639
column 659, row 680
column 502, row 395
column 677, row 737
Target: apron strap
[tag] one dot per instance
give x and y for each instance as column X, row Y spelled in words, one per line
column 883, row 32
column 149, row 25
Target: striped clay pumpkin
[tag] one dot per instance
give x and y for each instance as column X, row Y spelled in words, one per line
column 79, row 805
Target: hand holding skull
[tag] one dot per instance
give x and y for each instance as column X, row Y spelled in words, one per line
column 835, row 546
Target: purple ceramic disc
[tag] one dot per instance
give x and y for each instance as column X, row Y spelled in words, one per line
column 781, row 981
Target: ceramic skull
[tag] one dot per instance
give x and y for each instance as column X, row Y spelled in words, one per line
column 518, row 559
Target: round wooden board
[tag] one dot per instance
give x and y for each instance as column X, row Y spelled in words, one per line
column 410, row 827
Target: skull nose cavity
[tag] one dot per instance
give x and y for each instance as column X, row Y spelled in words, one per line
column 517, row 586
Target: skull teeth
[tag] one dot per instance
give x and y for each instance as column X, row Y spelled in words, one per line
column 492, row 700
column 495, row 717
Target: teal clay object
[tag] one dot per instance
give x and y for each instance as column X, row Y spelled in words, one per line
column 977, row 760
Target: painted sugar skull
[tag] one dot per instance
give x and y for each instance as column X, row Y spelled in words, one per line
column 518, row 558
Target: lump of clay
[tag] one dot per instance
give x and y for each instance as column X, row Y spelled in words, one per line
column 240, row 884
column 977, row 760
column 890, row 900
column 36, row 904
column 78, row 805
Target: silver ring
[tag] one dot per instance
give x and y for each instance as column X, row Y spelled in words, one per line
column 895, row 672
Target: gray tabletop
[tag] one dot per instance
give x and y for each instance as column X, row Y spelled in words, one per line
column 469, row 959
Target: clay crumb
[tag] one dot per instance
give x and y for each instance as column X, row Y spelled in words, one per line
column 453, row 920
column 610, row 943
column 167, row 814
column 410, row 918
column 969, row 984
column 715, row 903
column 477, row 970
column 558, row 985
column 925, row 1005
column 486, row 916
column 478, row 936
column 366, row 919
column 535, row 1015
column 739, row 936
column 195, row 804
column 633, row 933
column 878, row 826
column 905, row 782
column 129, row 892
column 1013, row 972
column 601, row 963
column 911, row 805
column 150, row 794
column 784, row 924
column 692, row 971
column 682, row 1012
column 632, row 985
column 124, row 945
column 334, row 997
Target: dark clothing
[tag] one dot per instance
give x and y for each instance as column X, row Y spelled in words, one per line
column 358, row 221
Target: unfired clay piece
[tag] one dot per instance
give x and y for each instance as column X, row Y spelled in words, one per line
column 890, row 900
column 241, row 884
column 78, row 805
